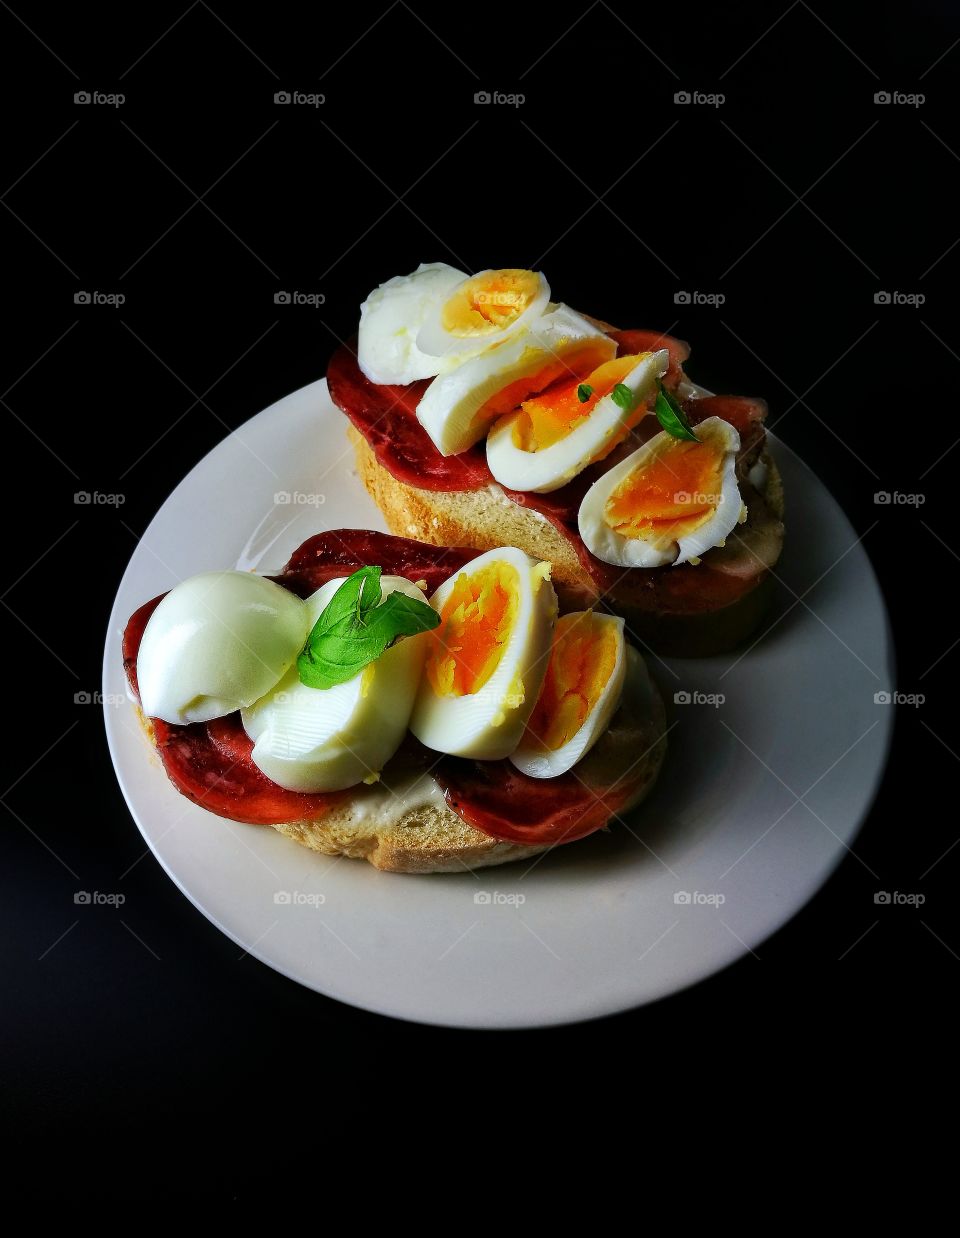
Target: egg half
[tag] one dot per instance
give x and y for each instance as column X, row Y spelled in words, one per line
column 486, row 661
column 553, row 436
column 459, row 406
column 668, row 502
column 581, row 693
column 327, row 739
column 215, row 643
column 482, row 310
column 391, row 319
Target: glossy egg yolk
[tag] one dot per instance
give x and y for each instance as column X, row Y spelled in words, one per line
column 582, row 358
column 673, row 493
column 582, row 659
column 476, row 623
column 489, row 302
column 550, row 416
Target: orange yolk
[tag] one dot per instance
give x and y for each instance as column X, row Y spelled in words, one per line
column 671, row 495
column 475, row 625
column 488, row 303
column 546, row 418
column 578, row 360
column 582, row 659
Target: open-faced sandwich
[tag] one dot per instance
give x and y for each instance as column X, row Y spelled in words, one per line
column 485, row 414
column 421, row 707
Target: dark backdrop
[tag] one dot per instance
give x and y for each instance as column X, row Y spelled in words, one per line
column 797, row 197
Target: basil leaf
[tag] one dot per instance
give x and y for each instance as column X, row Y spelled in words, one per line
column 623, row 397
column 672, row 417
column 357, row 627
column 584, row 392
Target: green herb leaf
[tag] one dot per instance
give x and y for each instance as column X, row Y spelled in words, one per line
column 672, row 417
column 584, row 392
column 356, row 627
column 623, row 397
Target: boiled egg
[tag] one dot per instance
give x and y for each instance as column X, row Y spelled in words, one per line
column 391, row 318
column 669, row 502
column 581, row 693
column 553, row 436
column 217, row 642
column 486, row 661
column 327, row 739
column 459, row 406
column 482, row 310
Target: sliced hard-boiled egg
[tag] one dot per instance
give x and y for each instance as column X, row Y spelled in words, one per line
column 483, row 310
column 553, row 436
column 215, row 643
column 668, row 502
column 326, row 739
column 458, row 408
column 580, row 694
column 391, row 318
column 486, row 661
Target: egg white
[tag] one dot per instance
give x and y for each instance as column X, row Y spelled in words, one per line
column 551, row 467
column 488, row 724
column 327, row 739
column 391, row 318
column 452, row 410
column 612, row 547
column 216, row 642
column 532, row 758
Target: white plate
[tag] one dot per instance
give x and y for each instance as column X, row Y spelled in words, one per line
column 594, row 927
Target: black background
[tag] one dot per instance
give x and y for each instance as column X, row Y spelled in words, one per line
column 197, row 199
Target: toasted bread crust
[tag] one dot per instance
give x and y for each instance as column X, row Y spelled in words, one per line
column 484, row 519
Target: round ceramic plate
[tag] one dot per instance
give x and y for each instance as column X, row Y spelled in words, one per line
column 775, row 755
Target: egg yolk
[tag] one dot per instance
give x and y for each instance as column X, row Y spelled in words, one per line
column 490, row 302
column 583, row 357
column 673, row 493
column 547, row 418
column 475, row 625
column 582, row 659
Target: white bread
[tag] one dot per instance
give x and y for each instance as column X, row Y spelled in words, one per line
column 486, row 518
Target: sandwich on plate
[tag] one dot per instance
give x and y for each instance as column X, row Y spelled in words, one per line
column 483, row 413
column 425, row 708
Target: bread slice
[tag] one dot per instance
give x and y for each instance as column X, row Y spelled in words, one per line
column 486, row 519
